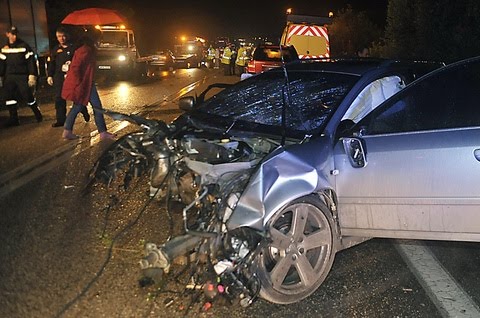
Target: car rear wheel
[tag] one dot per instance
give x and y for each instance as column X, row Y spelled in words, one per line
column 301, row 252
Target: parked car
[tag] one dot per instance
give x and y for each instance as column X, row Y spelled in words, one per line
column 160, row 61
column 279, row 172
column 266, row 57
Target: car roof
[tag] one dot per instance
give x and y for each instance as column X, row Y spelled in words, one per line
column 355, row 66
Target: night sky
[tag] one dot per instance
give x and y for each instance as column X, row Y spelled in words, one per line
column 157, row 23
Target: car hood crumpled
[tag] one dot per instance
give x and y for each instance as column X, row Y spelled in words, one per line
column 285, row 175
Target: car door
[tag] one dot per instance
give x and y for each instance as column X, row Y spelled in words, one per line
column 414, row 172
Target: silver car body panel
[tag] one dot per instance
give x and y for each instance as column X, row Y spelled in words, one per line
column 287, row 174
column 432, row 192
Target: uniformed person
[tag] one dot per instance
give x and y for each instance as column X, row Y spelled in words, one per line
column 19, row 74
column 242, row 59
column 60, row 60
column 226, row 57
column 233, row 58
column 210, row 56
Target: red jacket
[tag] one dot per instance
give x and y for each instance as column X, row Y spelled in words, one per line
column 79, row 79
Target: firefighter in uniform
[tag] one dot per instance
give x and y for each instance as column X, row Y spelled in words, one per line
column 19, row 74
column 226, row 57
column 59, row 63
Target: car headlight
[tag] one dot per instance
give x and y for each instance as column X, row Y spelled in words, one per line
column 122, row 58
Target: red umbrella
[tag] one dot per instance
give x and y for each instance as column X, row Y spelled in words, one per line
column 93, row 16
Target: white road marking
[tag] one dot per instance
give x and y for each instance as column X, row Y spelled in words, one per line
column 19, row 176
column 450, row 299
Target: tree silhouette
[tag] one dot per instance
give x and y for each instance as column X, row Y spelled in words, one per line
column 426, row 29
column 351, row 31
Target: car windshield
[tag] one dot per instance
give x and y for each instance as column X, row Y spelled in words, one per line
column 260, row 100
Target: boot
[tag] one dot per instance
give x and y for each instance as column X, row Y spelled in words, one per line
column 13, row 120
column 69, row 135
column 36, row 112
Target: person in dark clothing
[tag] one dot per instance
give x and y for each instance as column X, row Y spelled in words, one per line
column 233, row 59
column 19, row 74
column 60, row 60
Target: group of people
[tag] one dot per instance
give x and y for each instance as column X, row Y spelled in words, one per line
column 71, row 73
column 233, row 61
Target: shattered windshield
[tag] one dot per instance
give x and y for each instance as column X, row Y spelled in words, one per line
column 312, row 97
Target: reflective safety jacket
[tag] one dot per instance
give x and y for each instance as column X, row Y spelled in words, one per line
column 17, row 58
column 211, row 53
column 242, row 58
column 227, row 55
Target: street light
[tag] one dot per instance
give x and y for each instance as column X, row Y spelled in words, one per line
column 289, row 11
column 330, row 14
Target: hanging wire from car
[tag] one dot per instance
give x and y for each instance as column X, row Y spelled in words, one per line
column 97, row 275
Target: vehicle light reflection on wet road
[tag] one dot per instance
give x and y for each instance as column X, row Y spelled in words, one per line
column 123, row 89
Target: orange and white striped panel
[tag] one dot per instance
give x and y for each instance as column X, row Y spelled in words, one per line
column 302, row 57
column 309, row 30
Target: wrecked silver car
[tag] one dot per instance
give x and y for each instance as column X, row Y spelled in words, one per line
column 277, row 173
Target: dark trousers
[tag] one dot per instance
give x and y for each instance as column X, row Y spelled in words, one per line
column 17, row 86
column 226, row 69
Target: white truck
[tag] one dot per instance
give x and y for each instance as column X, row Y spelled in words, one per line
column 117, row 53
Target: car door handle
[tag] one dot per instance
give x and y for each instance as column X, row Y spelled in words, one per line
column 476, row 153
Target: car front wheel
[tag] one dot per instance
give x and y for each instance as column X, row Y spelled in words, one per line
column 300, row 252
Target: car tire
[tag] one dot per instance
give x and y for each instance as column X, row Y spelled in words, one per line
column 300, row 253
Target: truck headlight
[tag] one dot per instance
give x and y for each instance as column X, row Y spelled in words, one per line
column 122, row 58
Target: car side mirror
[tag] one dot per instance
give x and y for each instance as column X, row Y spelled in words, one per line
column 355, row 151
column 186, row 103
column 344, row 128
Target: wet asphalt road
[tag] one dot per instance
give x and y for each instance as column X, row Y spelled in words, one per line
column 65, row 254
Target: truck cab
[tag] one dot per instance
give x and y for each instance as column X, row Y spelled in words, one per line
column 117, row 53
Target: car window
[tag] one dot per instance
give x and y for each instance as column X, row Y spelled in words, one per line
column 312, row 97
column 373, row 95
column 447, row 99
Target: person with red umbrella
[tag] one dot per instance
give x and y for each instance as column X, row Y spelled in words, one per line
column 93, row 16
column 80, row 88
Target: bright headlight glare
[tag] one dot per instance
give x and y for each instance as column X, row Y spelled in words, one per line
column 122, row 58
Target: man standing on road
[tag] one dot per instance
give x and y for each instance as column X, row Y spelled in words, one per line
column 19, row 74
column 210, row 56
column 233, row 58
column 241, row 60
column 226, row 57
column 60, row 60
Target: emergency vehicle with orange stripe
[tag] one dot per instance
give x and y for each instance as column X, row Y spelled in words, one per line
column 308, row 34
